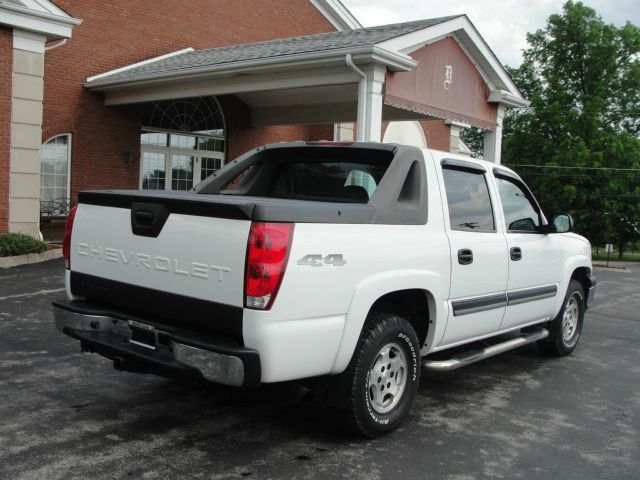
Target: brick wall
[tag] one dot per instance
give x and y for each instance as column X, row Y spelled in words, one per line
column 6, row 69
column 117, row 33
column 243, row 137
column 437, row 133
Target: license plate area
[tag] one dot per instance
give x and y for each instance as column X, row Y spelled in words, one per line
column 143, row 335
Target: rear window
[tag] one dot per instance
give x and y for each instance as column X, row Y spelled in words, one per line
column 325, row 174
column 330, row 181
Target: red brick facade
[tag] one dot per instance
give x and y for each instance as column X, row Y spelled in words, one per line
column 242, row 136
column 438, row 134
column 118, row 33
column 6, row 69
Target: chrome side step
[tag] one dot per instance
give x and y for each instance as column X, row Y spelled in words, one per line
column 467, row 358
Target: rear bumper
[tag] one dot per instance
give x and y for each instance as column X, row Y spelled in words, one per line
column 176, row 353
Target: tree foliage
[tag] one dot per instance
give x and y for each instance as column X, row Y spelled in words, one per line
column 582, row 77
column 473, row 137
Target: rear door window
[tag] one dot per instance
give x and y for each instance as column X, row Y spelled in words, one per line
column 468, row 200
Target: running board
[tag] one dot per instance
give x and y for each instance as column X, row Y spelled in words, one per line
column 467, row 358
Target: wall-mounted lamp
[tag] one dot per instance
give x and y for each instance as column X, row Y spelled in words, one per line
column 127, row 158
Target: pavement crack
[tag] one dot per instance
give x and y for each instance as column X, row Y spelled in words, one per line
column 609, row 315
column 627, row 339
column 33, row 294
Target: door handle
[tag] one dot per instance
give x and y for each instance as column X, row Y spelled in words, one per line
column 465, row 256
column 143, row 217
column 515, row 253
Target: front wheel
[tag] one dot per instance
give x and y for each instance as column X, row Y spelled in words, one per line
column 565, row 329
column 383, row 375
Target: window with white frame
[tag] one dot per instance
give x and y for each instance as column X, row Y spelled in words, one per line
column 55, row 168
column 182, row 143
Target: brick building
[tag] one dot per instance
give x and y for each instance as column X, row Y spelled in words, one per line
column 128, row 94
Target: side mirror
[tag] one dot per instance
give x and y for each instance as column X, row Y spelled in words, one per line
column 563, row 222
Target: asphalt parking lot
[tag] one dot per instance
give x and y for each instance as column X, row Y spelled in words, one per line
column 66, row 415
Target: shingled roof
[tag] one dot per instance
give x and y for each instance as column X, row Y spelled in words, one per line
column 323, row 42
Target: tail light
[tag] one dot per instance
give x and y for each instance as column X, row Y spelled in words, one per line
column 66, row 242
column 267, row 254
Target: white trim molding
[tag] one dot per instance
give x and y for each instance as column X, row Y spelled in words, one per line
column 338, row 15
column 69, row 151
column 455, row 123
column 28, row 41
column 44, row 6
column 134, row 65
column 506, row 98
column 282, row 64
column 493, row 138
column 467, row 36
column 39, row 16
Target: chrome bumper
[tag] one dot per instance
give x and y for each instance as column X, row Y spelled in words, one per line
column 116, row 335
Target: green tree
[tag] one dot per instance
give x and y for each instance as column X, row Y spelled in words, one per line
column 473, row 137
column 577, row 145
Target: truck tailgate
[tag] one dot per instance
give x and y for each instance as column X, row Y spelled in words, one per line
column 196, row 261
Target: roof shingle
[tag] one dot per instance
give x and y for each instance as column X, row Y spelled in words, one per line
column 275, row 48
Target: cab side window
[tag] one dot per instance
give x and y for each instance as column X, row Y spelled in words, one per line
column 520, row 214
column 468, row 199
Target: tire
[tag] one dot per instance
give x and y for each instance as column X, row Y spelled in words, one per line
column 565, row 329
column 385, row 340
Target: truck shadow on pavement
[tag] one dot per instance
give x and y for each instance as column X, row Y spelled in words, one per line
column 147, row 406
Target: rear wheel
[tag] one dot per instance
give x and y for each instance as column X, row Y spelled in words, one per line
column 565, row 329
column 383, row 375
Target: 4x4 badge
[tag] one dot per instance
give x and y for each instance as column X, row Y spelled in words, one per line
column 334, row 259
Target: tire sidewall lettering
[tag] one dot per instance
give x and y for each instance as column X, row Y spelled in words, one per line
column 411, row 351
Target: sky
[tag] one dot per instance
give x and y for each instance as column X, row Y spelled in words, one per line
column 502, row 23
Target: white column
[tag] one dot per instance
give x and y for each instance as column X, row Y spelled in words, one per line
column 493, row 139
column 454, row 135
column 362, row 110
column 26, row 132
column 343, row 132
column 375, row 81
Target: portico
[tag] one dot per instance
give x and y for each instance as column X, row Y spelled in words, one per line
column 431, row 69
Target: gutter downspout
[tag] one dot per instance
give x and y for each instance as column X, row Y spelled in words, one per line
column 362, row 98
column 57, row 44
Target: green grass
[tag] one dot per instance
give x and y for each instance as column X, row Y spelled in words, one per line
column 19, row 244
column 626, row 257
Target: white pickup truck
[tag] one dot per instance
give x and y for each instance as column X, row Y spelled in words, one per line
column 354, row 265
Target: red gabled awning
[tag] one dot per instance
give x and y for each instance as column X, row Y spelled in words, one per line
column 445, row 84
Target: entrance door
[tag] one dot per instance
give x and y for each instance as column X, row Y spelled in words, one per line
column 178, row 161
column 182, row 167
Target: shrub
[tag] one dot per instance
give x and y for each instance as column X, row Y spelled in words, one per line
column 19, row 244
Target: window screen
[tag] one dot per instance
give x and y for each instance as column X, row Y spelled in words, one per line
column 519, row 213
column 469, row 201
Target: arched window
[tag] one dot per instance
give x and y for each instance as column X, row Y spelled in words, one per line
column 198, row 115
column 182, row 142
column 55, row 168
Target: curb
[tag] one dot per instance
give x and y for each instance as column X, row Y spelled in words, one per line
column 8, row 262
column 612, row 269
